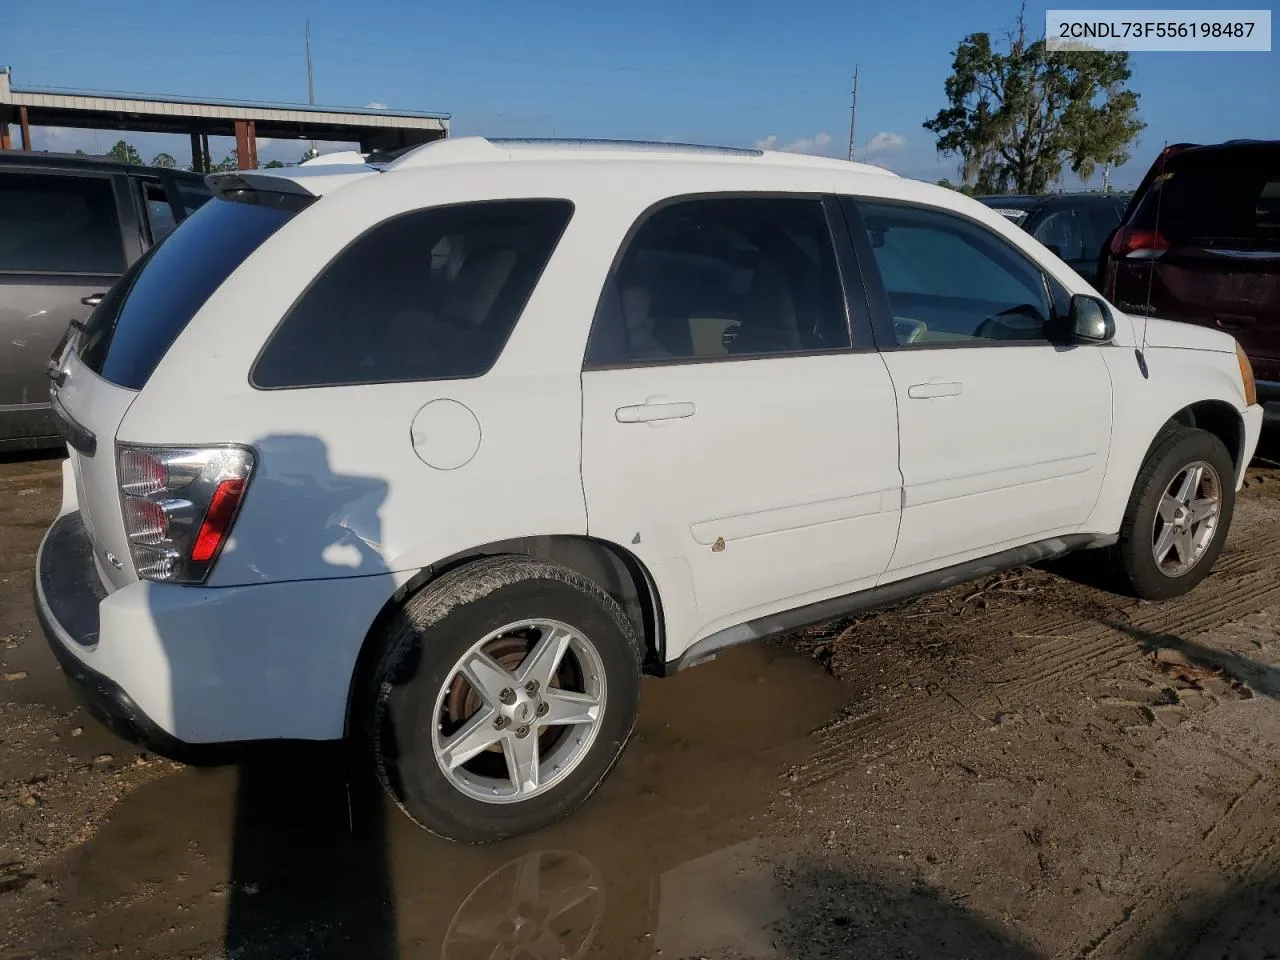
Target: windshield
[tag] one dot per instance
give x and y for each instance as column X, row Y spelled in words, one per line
column 1215, row 196
column 144, row 312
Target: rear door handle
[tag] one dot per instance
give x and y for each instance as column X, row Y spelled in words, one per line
column 925, row 391
column 651, row 411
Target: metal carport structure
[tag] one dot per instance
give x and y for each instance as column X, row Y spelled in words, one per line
column 202, row 118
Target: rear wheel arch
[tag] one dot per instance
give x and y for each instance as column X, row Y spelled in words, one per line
column 616, row 570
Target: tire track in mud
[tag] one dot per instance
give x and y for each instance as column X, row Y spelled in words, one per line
column 1244, row 581
column 1241, row 845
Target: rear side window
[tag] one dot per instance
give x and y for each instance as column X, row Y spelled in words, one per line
column 189, row 195
column 1206, row 198
column 146, row 310
column 428, row 295
column 1063, row 230
column 59, row 224
column 1100, row 220
column 722, row 278
column 159, row 213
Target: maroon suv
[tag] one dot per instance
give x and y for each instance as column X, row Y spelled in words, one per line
column 1200, row 242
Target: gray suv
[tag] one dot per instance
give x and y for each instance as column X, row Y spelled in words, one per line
column 69, row 227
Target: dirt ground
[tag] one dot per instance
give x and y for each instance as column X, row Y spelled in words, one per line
column 1024, row 767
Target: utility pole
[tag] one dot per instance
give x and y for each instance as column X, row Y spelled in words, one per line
column 853, row 111
column 311, row 87
column 1106, row 178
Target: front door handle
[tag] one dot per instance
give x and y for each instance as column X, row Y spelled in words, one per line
column 925, row 391
column 93, row 299
column 651, row 411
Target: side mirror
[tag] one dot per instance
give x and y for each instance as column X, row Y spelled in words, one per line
column 1091, row 320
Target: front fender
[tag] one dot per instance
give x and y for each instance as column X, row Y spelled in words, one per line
column 1175, row 379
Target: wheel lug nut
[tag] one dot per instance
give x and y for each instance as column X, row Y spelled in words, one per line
column 531, row 687
column 499, row 722
column 542, row 709
column 522, row 731
column 507, row 695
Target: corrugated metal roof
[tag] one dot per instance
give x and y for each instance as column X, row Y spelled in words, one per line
column 71, row 99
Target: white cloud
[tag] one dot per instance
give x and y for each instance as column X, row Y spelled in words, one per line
column 883, row 143
column 818, row 143
column 375, row 105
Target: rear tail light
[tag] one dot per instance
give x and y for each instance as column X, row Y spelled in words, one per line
column 1135, row 243
column 179, row 504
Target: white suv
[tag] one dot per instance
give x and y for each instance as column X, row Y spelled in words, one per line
column 442, row 456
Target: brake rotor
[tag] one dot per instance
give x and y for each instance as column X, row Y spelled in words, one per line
column 509, row 652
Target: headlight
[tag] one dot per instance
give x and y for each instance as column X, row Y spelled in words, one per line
column 1246, row 374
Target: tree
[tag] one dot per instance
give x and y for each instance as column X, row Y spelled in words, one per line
column 227, row 163
column 165, row 160
column 272, row 164
column 124, row 152
column 1016, row 119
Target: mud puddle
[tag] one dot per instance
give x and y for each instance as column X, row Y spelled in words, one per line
column 262, row 860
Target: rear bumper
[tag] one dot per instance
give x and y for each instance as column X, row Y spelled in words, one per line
column 180, row 668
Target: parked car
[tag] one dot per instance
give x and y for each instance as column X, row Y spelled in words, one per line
column 1201, row 243
column 1075, row 226
column 69, row 227
column 1015, row 207
column 440, row 459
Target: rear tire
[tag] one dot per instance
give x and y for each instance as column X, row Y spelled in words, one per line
column 1187, row 471
column 504, row 694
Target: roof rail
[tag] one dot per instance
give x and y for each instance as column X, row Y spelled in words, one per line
column 627, row 146
column 480, row 149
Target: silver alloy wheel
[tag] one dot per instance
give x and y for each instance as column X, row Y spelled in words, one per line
column 1186, row 518
column 537, row 705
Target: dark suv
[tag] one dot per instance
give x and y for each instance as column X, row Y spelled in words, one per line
column 1075, row 226
column 1200, row 242
column 69, row 227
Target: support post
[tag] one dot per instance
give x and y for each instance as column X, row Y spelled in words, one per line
column 204, row 152
column 26, row 128
column 4, row 133
column 253, row 145
column 197, row 156
column 242, row 144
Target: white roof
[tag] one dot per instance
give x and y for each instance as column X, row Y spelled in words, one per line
column 338, row 156
column 322, row 176
column 482, row 149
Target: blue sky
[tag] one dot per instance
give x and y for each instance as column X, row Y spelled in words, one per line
column 722, row 71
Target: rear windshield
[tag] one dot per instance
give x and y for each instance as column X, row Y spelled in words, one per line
column 1212, row 197
column 146, row 310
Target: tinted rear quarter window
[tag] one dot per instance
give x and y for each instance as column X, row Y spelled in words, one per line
column 54, row 223
column 428, row 295
column 146, row 310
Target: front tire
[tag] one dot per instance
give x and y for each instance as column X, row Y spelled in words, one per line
column 1178, row 514
column 505, row 692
